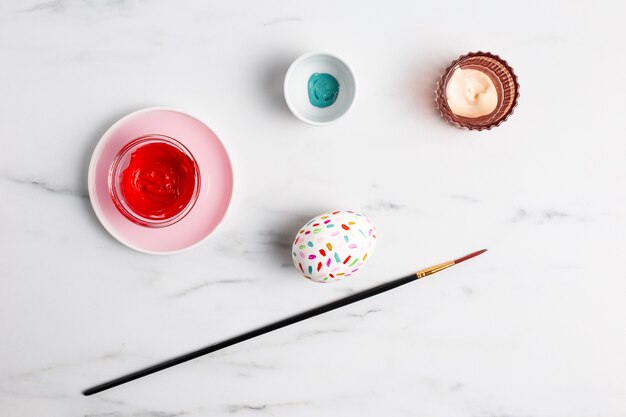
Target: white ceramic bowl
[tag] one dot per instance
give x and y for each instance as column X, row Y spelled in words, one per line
column 297, row 94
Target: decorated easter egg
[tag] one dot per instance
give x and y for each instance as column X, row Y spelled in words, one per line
column 333, row 245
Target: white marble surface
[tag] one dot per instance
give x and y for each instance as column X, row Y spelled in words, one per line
column 534, row 328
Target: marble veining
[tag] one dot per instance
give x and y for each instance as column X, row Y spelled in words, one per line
column 282, row 20
column 41, row 184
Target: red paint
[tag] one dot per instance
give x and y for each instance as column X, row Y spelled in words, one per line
column 159, row 181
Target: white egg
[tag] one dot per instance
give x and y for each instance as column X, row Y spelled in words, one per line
column 333, row 245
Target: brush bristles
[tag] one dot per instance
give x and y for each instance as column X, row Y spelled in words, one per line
column 470, row 256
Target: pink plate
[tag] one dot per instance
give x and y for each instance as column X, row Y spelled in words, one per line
column 216, row 181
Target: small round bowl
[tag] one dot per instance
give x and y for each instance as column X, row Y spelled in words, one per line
column 504, row 80
column 215, row 190
column 297, row 94
column 121, row 163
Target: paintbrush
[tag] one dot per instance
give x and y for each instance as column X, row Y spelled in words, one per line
column 280, row 324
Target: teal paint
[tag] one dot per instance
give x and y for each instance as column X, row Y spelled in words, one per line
column 323, row 89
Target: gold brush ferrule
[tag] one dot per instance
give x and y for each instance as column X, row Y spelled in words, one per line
column 433, row 269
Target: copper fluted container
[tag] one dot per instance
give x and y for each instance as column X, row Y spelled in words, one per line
column 505, row 83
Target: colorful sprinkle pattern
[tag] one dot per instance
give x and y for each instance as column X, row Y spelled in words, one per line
column 333, row 245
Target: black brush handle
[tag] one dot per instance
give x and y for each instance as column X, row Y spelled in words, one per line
column 252, row 334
